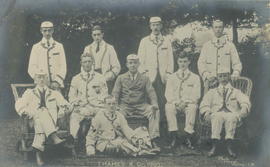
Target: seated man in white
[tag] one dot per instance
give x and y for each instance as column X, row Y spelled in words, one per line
column 224, row 105
column 131, row 91
column 41, row 105
column 87, row 92
column 183, row 91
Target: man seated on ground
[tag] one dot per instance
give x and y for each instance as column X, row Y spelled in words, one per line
column 87, row 92
column 41, row 105
column 131, row 91
column 224, row 105
column 183, row 91
column 110, row 133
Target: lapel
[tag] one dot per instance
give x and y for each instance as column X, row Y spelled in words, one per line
column 36, row 93
column 220, row 44
column 229, row 93
column 135, row 82
column 160, row 41
column 101, row 52
column 48, row 94
column 45, row 46
column 128, row 80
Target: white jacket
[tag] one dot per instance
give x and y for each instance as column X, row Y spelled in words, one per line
column 106, row 59
column 154, row 56
column 187, row 89
column 217, row 56
column 51, row 60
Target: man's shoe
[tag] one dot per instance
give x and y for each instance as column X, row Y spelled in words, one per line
column 212, row 152
column 232, row 154
column 55, row 139
column 39, row 159
column 189, row 144
column 155, row 148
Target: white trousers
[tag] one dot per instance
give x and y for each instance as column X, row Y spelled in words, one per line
column 44, row 126
column 190, row 112
column 229, row 120
column 77, row 116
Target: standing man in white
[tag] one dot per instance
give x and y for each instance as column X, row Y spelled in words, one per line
column 106, row 60
column 216, row 54
column 48, row 55
column 156, row 58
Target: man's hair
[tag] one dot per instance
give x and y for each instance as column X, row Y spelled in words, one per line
column 182, row 55
column 108, row 97
column 217, row 21
column 97, row 27
column 87, row 55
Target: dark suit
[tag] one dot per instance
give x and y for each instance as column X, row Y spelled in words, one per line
column 132, row 97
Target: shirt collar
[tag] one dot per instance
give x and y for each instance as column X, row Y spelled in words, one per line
column 131, row 76
column 228, row 86
column 44, row 41
column 153, row 37
column 101, row 43
column 85, row 74
column 180, row 71
column 41, row 88
column 219, row 41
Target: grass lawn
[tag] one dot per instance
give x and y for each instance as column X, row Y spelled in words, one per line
column 10, row 133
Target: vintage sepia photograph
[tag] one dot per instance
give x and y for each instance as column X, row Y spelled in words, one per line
column 135, row 83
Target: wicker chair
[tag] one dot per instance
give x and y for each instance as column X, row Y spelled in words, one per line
column 245, row 85
column 25, row 142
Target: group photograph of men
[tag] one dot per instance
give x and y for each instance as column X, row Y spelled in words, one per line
column 183, row 88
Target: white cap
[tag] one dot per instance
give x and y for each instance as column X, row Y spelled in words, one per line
column 46, row 24
column 132, row 57
column 223, row 70
column 155, row 19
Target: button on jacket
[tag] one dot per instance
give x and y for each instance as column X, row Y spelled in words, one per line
column 187, row 88
column 104, row 130
column 131, row 92
column 235, row 100
column 81, row 87
column 218, row 54
column 105, row 59
column 156, row 56
column 50, row 59
column 182, row 86
column 30, row 102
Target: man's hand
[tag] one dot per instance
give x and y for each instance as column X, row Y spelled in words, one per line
column 90, row 151
column 180, row 105
column 134, row 140
column 154, row 109
column 55, row 85
column 207, row 116
column 212, row 82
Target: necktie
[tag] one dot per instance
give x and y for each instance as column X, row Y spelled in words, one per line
column 183, row 74
column 97, row 49
column 48, row 43
column 224, row 100
column 42, row 98
column 88, row 75
column 156, row 39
